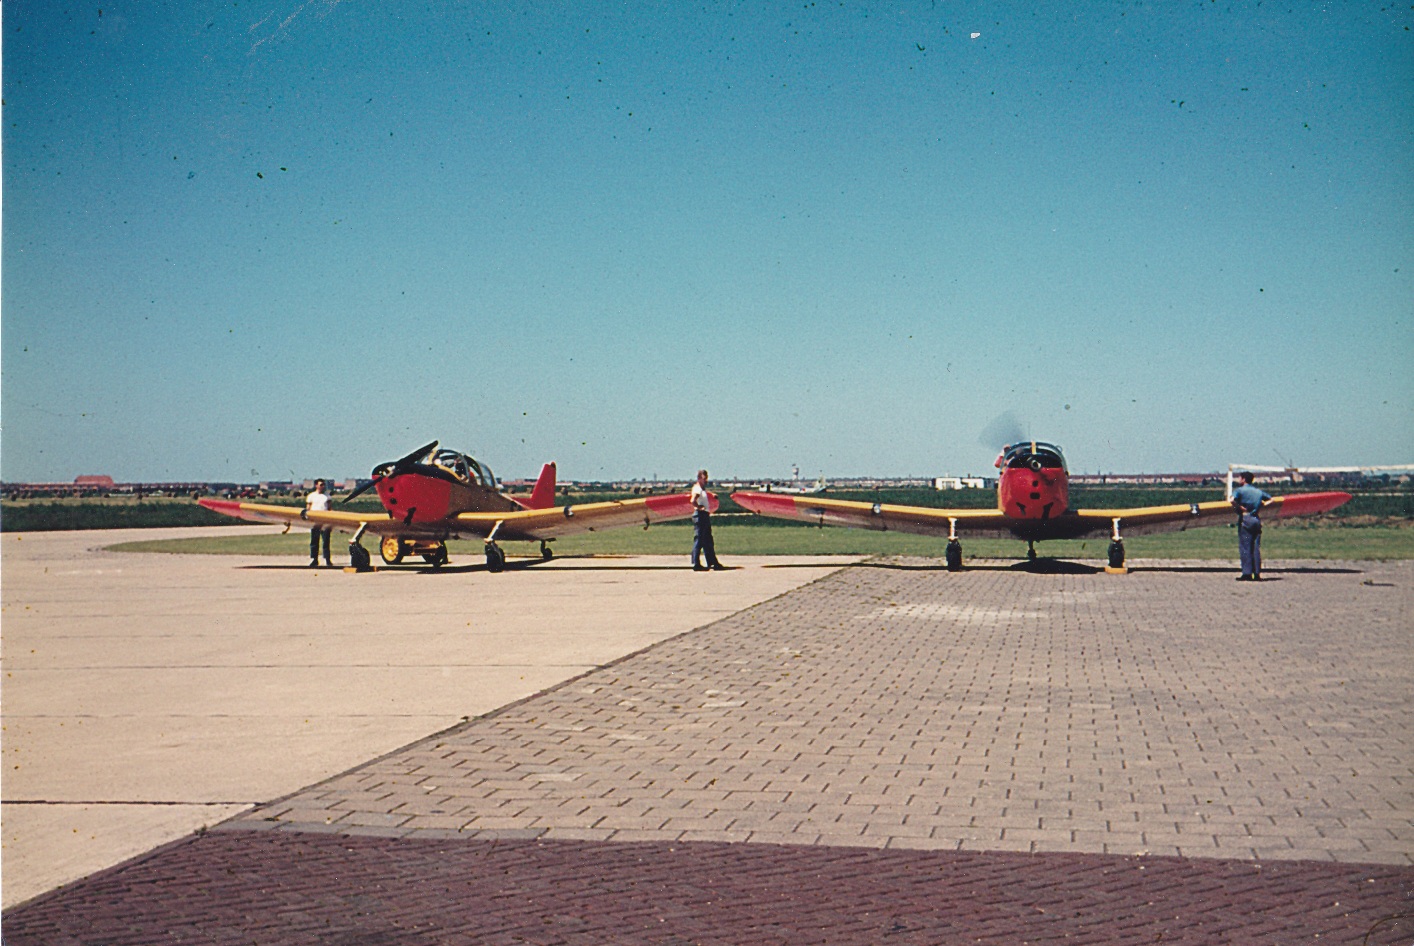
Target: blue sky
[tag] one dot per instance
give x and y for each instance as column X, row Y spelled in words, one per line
column 255, row 240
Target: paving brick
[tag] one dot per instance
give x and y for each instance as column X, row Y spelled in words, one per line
column 782, row 775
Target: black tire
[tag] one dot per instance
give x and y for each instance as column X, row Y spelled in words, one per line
column 392, row 549
column 1116, row 554
column 953, row 555
column 359, row 557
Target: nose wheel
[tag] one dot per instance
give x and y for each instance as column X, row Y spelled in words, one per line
column 392, row 549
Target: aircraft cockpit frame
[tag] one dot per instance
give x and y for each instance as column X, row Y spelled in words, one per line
column 1022, row 455
column 464, row 468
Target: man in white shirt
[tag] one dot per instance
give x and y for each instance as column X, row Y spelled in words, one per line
column 702, row 527
column 318, row 501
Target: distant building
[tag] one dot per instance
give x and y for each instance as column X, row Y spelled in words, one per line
column 961, row 482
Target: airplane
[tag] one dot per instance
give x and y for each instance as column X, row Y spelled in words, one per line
column 1033, row 504
column 432, row 495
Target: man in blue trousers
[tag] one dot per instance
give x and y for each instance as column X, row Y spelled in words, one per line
column 702, row 543
column 1249, row 500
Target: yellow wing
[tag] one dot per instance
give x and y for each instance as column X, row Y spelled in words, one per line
column 512, row 525
column 1081, row 523
column 570, row 520
column 880, row 517
column 1146, row 520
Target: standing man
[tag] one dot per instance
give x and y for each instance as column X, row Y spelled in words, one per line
column 318, row 501
column 702, row 527
column 1248, row 500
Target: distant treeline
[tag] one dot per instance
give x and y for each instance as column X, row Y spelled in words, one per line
column 129, row 513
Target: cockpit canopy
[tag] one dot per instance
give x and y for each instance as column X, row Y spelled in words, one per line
column 464, row 469
column 1031, row 454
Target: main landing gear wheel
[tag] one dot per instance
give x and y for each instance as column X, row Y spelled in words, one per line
column 545, row 553
column 1116, row 554
column 359, row 557
column 436, row 557
column 392, row 549
column 953, row 555
column 495, row 558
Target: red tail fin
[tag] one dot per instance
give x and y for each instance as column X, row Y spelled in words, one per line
column 543, row 496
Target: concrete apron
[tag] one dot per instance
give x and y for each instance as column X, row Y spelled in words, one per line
column 146, row 695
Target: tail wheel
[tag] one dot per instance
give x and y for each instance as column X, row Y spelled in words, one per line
column 392, row 549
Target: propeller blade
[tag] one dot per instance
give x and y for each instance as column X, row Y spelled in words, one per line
column 413, row 457
column 383, row 470
column 1005, row 428
column 361, row 490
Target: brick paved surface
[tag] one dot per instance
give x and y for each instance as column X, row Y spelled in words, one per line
column 320, row 889
column 899, row 754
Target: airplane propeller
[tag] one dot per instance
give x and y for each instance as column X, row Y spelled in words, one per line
column 1005, row 428
column 392, row 468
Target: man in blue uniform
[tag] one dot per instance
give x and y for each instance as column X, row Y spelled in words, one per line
column 1249, row 500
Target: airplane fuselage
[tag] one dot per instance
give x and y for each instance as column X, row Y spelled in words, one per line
column 439, row 486
column 1034, row 483
column 420, row 497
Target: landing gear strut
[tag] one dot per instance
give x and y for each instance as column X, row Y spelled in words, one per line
column 545, row 553
column 953, row 555
column 1116, row 551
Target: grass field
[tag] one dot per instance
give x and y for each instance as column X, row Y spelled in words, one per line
column 1321, row 540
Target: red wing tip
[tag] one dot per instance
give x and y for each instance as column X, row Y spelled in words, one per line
column 1308, row 504
column 765, row 503
column 227, row 506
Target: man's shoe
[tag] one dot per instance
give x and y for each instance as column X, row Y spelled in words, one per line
column 314, row 563
column 719, row 567
column 699, row 568
column 328, row 564
column 1244, row 577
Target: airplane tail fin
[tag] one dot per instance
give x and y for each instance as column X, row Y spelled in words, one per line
column 543, row 496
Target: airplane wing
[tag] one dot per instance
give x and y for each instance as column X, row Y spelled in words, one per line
column 519, row 524
column 568, row 520
column 1146, row 520
column 880, row 517
column 379, row 522
column 922, row 520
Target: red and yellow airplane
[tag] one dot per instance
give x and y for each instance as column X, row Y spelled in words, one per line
column 431, row 495
column 1033, row 504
